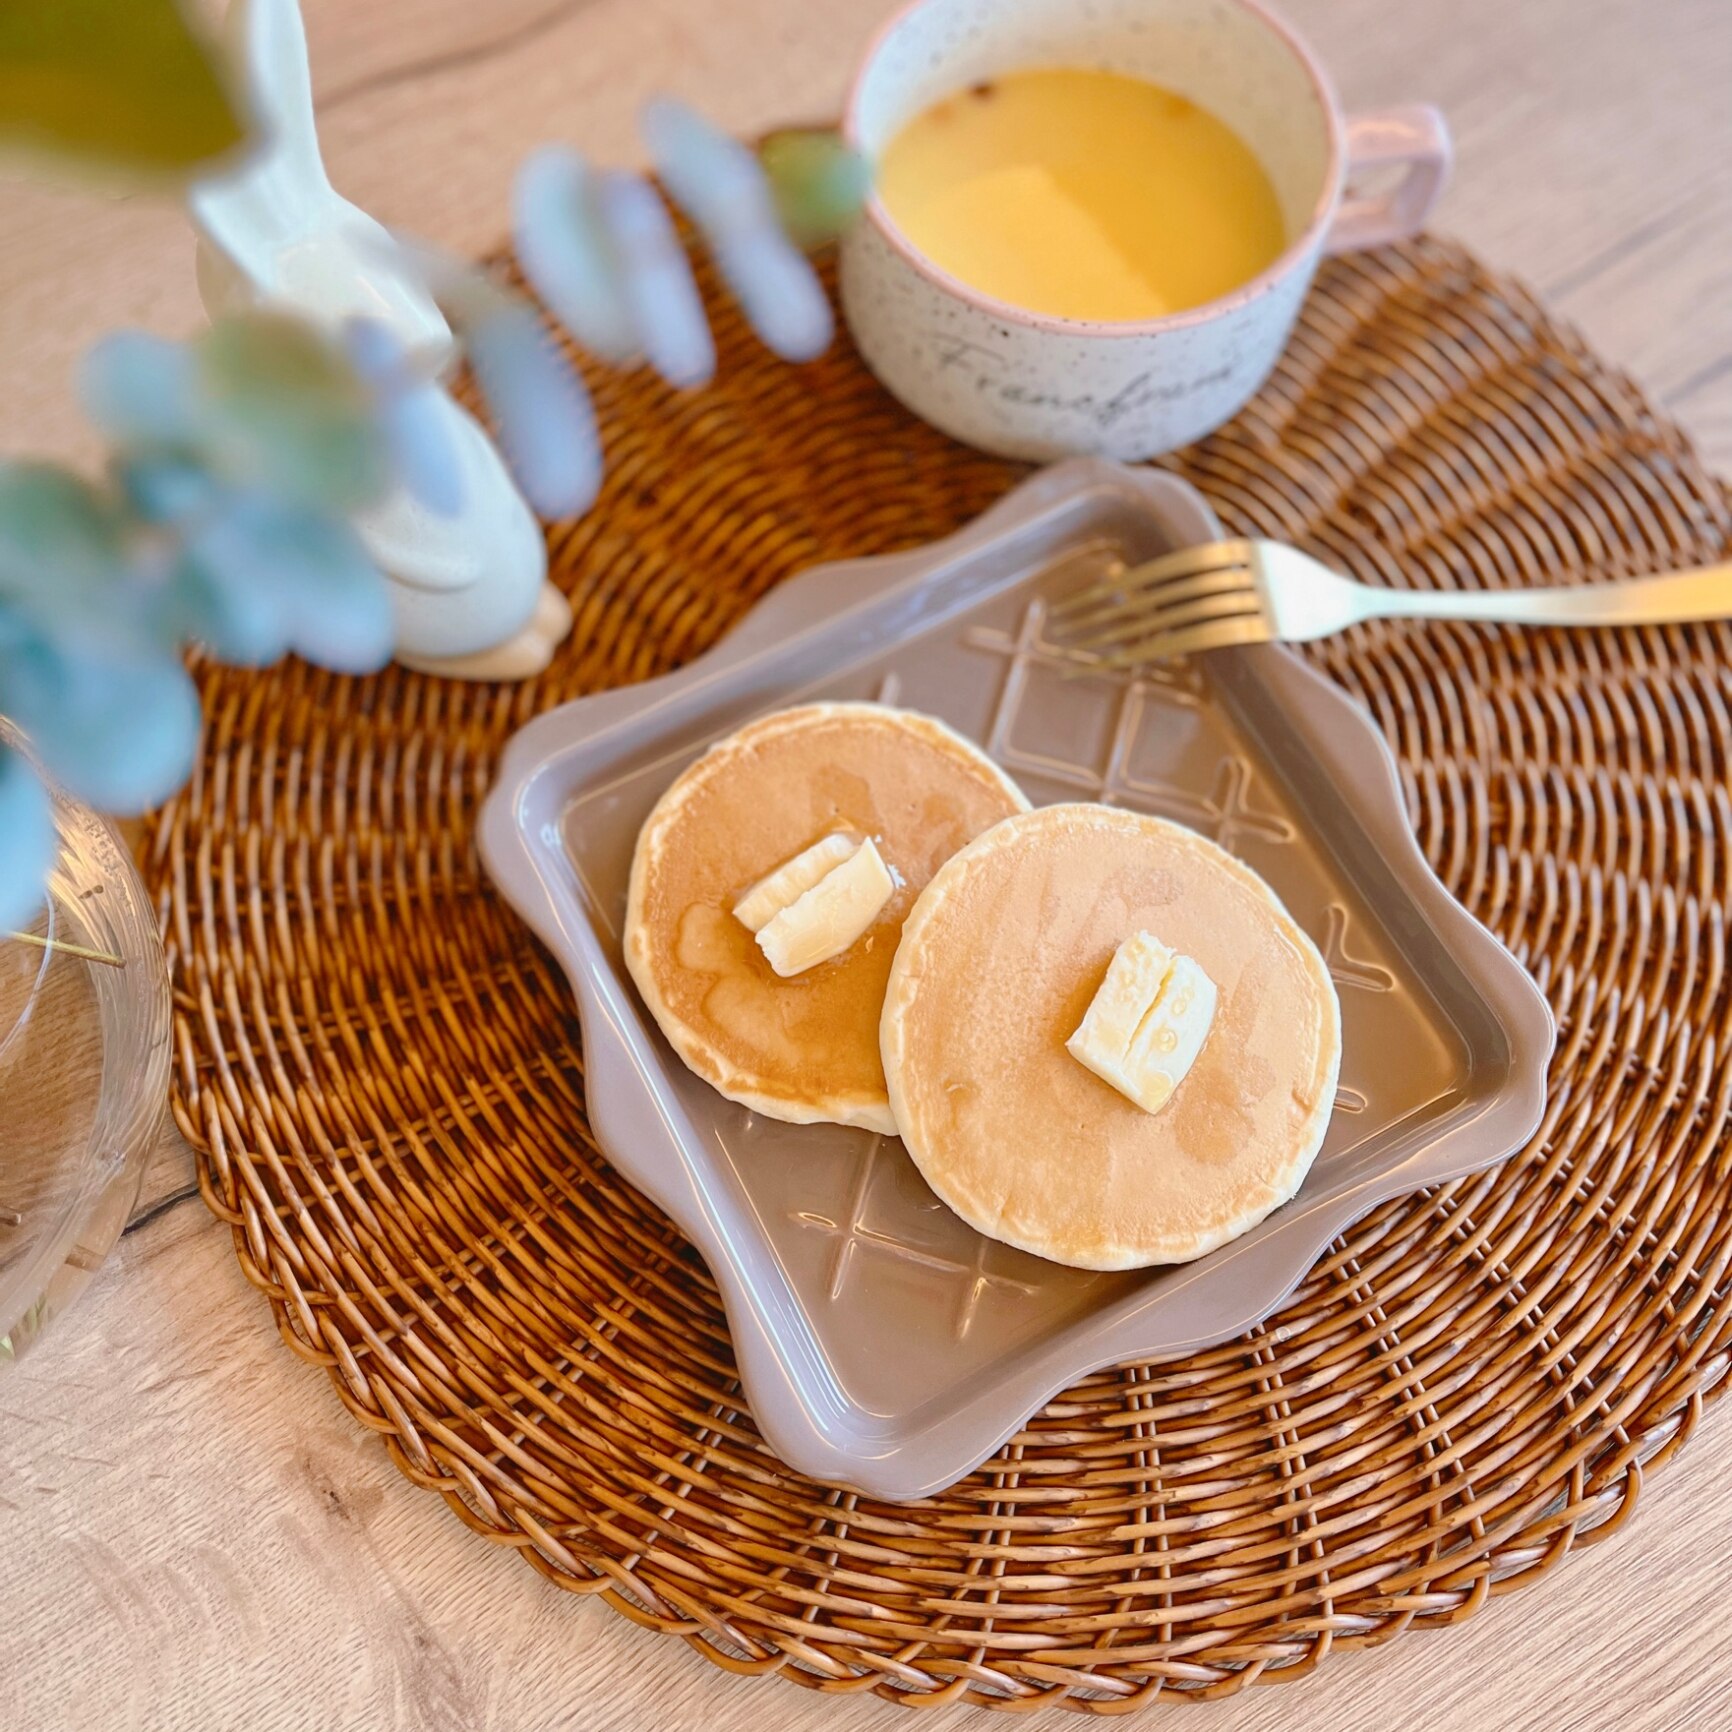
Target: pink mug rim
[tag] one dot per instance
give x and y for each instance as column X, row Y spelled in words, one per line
column 1291, row 256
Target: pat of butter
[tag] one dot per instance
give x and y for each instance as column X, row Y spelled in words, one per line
column 814, row 906
column 1147, row 1022
column 791, row 880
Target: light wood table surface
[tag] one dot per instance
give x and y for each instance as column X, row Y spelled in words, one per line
column 193, row 1533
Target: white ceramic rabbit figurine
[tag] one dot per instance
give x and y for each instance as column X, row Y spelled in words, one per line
column 470, row 590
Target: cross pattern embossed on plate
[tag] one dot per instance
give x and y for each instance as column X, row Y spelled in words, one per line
column 1028, row 648
column 851, row 1234
column 1345, row 969
column 1227, row 812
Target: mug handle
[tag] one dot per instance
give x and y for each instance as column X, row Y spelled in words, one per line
column 1418, row 136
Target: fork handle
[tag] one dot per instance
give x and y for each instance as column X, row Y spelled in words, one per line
column 1666, row 600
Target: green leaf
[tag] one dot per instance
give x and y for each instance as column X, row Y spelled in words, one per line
column 818, row 182
column 62, row 542
column 116, row 728
column 114, row 84
column 68, row 572
column 281, row 406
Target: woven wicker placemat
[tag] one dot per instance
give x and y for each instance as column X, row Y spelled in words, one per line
column 383, row 1076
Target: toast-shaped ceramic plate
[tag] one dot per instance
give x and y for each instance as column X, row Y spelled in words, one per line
column 882, row 1343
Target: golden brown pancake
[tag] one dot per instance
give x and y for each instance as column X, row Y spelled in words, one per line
column 806, row 1048
column 998, row 963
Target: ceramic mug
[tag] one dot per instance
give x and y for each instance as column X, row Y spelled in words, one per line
column 1032, row 385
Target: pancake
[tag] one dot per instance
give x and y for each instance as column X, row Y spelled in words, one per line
column 804, row 1048
column 999, row 961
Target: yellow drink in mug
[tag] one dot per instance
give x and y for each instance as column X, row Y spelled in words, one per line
column 1084, row 194
column 1093, row 224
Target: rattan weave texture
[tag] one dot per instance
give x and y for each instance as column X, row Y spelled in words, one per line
column 381, row 1070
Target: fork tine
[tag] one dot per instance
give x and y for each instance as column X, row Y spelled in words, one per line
column 1159, row 621
column 1147, row 604
column 1211, row 556
column 1191, row 640
column 1091, row 562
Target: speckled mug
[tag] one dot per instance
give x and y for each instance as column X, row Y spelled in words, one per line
column 1029, row 384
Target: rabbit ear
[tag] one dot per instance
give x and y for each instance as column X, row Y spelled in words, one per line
column 268, row 41
column 280, row 185
column 273, row 229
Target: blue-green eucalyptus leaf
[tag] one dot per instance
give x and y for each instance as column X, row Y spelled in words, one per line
column 412, row 415
column 116, row 730
column 565, row 252
column 219, row 596
column 656, row 280
column 66, row 559
column 56, row 530
column 546, row 425
column 139, row 389
column 720, row 185
column 167, row 487
column 265, row 576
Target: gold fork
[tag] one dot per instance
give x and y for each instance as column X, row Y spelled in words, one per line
column 1244, row 592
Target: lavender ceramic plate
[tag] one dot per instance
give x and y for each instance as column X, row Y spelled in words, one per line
column 881, row 1342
